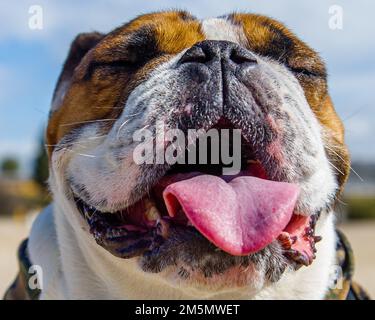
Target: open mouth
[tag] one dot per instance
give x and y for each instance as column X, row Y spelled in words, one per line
column 239, row 214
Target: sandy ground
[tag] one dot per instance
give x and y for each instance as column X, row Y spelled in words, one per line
column 362, row 239
column 360, row 234
column 11, row 233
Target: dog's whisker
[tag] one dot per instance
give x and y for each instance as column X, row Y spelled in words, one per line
column 96, row 137
column 144, row 127
column 80, row 154
column 125, row 122
column 346, row 162
column 120, row 128
column 353, row 114
column 108, row 107
column 79, row 143
column 342, row 202
column 87, row 121
column 133, row 114
column 86, row 155
column 338, row 170
column 356, row 173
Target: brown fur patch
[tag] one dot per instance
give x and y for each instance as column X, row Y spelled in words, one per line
column 268, row 37
column 101, row 95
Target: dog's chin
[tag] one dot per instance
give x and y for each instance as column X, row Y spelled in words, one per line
column 188, row 260
column 239, row 279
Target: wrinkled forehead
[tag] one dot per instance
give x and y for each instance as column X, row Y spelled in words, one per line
column 172, row 32
column 168, row 32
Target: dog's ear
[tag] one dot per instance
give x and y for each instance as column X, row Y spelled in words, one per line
column 78, row 49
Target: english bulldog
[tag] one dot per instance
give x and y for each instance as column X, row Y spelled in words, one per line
column 119, row 229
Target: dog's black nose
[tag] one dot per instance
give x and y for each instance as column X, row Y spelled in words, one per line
column 213, row 50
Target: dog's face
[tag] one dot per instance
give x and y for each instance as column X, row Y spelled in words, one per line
column 190, row 222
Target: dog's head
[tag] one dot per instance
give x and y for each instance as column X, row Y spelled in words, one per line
column 167, row 71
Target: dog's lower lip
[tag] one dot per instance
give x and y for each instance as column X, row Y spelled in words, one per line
column 126, row 239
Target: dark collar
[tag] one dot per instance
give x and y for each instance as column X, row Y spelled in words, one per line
column 343, row 287
column 20, row 289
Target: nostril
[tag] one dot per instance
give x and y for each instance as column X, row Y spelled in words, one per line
column 240, row 56
column 195, row 54
column 209, row 51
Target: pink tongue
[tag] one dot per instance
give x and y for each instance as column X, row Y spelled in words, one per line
column 241, row 216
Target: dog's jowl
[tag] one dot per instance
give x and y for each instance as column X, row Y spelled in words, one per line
column 123, row 228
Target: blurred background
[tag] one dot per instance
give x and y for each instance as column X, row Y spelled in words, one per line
column 34, row 39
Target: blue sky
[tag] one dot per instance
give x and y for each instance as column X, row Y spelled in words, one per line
column 30, row 60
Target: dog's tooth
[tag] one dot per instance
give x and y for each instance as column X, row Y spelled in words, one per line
column 189, row 224
column 317, row 238
column 285, row 240
column 111, row 232
column 153, row 214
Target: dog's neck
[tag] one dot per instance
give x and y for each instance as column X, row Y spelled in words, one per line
column 81, row 269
